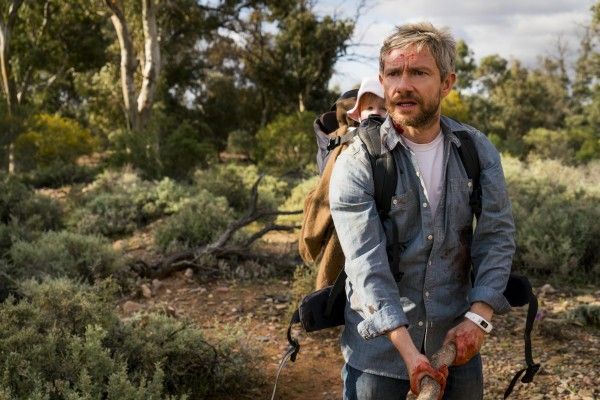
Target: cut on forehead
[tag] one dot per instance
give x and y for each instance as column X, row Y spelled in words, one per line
column 439, row 42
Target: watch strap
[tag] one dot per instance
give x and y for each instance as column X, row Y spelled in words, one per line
column 481, row 322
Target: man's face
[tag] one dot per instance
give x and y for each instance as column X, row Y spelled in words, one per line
column 413, row 87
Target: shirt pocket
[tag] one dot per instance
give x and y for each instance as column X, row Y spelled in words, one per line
column 459, row 208
column 405, row 213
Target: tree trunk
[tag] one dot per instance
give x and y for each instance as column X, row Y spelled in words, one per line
column 137, row 107
column 8, row 84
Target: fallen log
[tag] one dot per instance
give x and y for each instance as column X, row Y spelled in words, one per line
column 430, row 389
column 221, row 247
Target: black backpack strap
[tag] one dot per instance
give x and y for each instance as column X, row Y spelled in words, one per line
column 339, row 140
column 384, row 182
column 470, row 161
column 292, row 351
column 532, row 368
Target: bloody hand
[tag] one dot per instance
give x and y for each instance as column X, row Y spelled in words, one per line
column 468, row 338
column 424, row 368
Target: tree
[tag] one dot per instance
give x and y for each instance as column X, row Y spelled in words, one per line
column 465, row 65
column 42, row 44
column 137, row 105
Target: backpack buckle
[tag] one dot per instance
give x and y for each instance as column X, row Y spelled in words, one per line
column 333, row 143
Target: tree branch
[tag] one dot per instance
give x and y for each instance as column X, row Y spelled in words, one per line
column 221, row 247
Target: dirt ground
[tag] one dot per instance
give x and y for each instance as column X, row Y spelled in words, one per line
column 568, row 350
column 570, row 354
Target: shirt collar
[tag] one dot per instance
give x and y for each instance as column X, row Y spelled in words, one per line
column 390, row 138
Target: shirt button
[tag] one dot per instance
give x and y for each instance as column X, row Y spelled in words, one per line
column 424, row 205
column 420, row 323
column 429, row 263
column 426, row 294
column 469, row 184
column 430, row 237
column 418, row 174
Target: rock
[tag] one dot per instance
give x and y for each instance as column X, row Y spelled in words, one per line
column 157, row 285
column 222, row 289
column 172, row 312
column 131, row 307
column 189, row 273
column 146, row 291
column 547, row 289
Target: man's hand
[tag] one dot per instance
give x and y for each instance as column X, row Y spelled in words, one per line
column 468, row 338
column 416, row 363
column 423, row 368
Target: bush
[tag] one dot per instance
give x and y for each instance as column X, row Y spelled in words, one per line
column 234, row 182
column 59, row 174
column 296, row 201
column 549, row 144
column 556, row 208
column 303, row 283
column 19, row 204
column 63, row 341
column 198, row 223
column 118, row 203
column 51, row 139
column 287, row 144
column 240, row 142
column 64, row 254
column 183, row 150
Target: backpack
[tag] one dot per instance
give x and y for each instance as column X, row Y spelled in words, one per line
column 324, row 308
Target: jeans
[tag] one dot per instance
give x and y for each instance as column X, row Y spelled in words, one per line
column 464, row 383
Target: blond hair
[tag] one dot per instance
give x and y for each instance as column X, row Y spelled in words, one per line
column 440, row 43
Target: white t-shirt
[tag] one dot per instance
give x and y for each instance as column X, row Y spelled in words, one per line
column 430, row 160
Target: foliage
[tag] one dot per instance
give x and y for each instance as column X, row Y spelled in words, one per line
column 453, row 106
column 286, row 144
column 240, row 141
column 234, row 182
column 586, row 314
column 199, row 221
column 58, row 174
column 120, row 202
column 556, row 208
column 68, row 343
column 52, row 139
column 549, row 144
column 64, row 254
column 33, row 212
column 303, row 283
column 296, row 201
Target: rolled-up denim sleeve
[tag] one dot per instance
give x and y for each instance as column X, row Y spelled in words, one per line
column 493, row 245
column 374, row 293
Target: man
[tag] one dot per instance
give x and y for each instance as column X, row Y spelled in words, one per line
column 387, row 350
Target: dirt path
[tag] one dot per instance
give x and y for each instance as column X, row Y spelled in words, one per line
column 570, row 354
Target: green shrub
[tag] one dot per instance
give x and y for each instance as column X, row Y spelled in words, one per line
column 63, row 341
column 556, row 208
column 118, row 203
column 52, row 139
column 60, row 174
column 296, row 201
column 549, row 144
column 197, row 223
column 20, row 204
column 303, row 283
column 234, row 182
column 183, row 151
column 240, row 142
column 287, row 144
column 58, row 254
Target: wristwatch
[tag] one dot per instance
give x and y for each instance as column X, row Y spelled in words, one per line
column 481, row 322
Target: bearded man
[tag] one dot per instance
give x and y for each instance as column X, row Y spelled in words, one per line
column 387, row 350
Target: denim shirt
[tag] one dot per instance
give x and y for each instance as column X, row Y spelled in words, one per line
column 435, row 258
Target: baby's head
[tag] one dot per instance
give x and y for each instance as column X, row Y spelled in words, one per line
column 369, row 100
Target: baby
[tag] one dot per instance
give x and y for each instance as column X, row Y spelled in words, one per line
column 369, row 100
